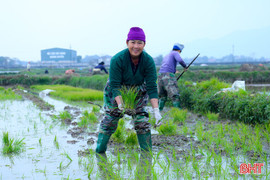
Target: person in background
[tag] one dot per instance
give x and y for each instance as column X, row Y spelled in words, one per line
column 100, row 67
column 28, row 66
column 69, row 71
column 167, row 82
column 46, row 71
column 131, row 67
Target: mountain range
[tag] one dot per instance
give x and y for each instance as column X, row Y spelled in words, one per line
column 253, row 43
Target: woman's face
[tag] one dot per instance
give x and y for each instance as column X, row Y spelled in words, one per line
column 135, row 47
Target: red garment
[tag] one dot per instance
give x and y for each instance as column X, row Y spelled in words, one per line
column 70, row 71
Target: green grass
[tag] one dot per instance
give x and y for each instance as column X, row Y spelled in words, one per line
column 71, row 93
column 11, row 145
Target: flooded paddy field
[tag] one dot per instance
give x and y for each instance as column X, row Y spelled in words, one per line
column 258, row 87
column 60, row 149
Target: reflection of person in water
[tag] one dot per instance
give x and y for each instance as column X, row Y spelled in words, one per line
column 143, row 166
column 104, row 168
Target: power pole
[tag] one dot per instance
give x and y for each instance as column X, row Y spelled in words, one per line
column 233, row 53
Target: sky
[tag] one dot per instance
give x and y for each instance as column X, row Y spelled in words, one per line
column 100, row 27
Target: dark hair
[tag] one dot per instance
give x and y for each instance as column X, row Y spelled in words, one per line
column 101, row 63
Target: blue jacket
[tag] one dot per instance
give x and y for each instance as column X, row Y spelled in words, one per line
column 101, row 67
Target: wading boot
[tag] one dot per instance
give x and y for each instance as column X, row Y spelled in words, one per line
column 145, row 141
column 176, row 104
column 161, row 104
column 102, row 143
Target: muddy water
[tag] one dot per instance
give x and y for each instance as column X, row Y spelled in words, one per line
column 43, row 159
column 42, row 156
column 258, row 87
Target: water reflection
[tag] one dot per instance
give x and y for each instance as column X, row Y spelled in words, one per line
column 144, row 166
column 142, row 170
column 104, row 167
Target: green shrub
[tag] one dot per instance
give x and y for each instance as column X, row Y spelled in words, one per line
column 241, row 105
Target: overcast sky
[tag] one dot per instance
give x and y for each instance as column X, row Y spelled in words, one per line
column 101, row 26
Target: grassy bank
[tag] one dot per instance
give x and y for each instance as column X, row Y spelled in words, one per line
column 8, row 94
column 93, row 82
column 71, row 93
column 242, row 105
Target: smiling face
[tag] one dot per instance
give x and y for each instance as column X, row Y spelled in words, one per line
column 135, row 48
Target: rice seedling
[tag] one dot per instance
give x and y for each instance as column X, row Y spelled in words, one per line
column 212, row 116
column 11, row 145
column 199, row 131
column 217, row 164
column 178, row 115
column 129, row 97
column 168, row 129
column 95, row 109
column 35, row 126
column 152, row 119
column 185, row 130
column 87, row 119
column 67, row 156
column 64, row 115
column 61, row 166
column 196, row 166
column 55, row 142
column 119, row 135
column 39, row 141
column 131, row 139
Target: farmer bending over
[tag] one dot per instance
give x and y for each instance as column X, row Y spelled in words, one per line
column 100, row 67
column 167, row 83
column 130, row 67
